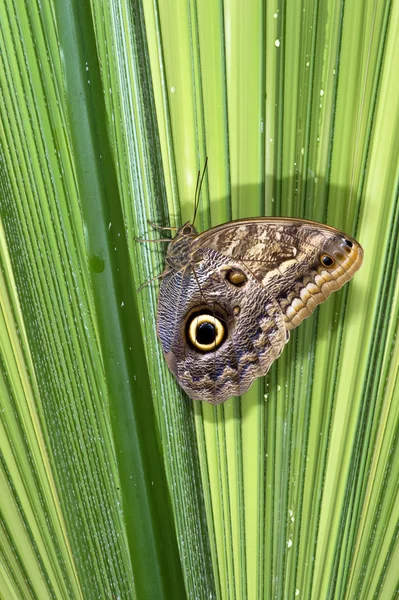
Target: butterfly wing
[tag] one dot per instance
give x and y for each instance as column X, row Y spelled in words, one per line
column 233, row 293
column 213, row 291
column 299, row 263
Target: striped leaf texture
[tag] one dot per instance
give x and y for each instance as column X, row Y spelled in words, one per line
column 114, row 484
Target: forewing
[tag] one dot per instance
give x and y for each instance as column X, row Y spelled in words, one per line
column 286, row 257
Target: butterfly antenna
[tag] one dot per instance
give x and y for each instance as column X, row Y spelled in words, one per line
column 198, row 189
column 195, row 194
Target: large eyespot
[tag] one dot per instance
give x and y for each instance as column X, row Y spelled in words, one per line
column 326, row 260
column 236, row 277
column 205, row 331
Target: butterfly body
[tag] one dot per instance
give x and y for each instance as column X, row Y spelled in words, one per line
column 230, row 296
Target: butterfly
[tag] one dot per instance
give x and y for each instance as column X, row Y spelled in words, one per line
column 231, row 295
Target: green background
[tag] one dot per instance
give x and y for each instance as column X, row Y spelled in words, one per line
column 113, row 484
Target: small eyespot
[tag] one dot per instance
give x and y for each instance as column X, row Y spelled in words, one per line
column 205, row 332
column 236, row 310
column 236, row 277
column 187, row 230
column 348, row 243
column 326, row 260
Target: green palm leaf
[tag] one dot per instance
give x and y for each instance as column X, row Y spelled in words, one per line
column 113, row 483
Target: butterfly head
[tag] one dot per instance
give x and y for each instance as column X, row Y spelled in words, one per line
column 178, row 254
column 187, row 230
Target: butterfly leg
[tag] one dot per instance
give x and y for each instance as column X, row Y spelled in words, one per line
column 142, row 241
column 143, row 285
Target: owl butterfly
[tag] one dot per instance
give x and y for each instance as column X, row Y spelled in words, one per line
column 230, row 296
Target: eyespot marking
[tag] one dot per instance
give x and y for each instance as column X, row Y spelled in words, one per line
column 236, row 277
column 205, row 332
column 326, row 260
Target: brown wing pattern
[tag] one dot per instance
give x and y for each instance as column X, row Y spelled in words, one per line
column 254, row 339
column 230, row 295
column 286, row 256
